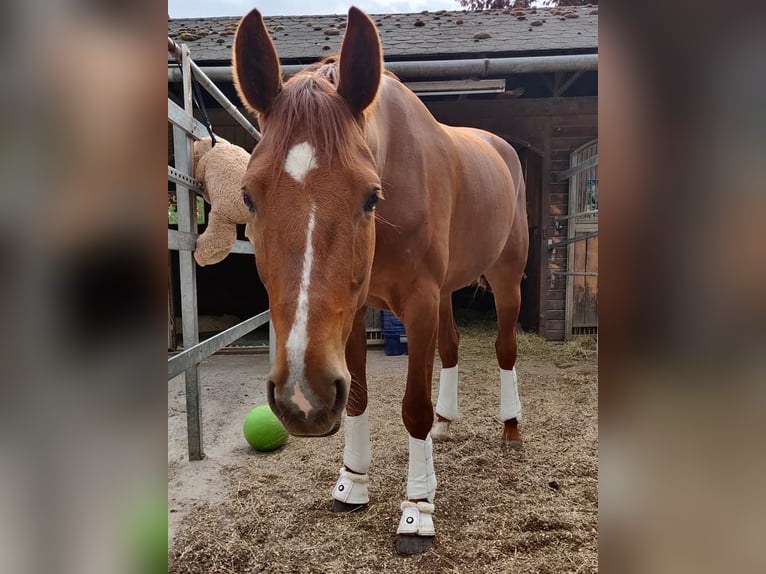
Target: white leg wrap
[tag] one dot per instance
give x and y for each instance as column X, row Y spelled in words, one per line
column 417, row 519
column 356, row 451
column 421, row 478
column 351, row 488
column 446, row 405
column 510, row 406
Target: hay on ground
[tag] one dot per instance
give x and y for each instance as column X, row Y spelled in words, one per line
column 497, row 510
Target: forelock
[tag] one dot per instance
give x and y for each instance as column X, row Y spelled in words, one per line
column 309, row 109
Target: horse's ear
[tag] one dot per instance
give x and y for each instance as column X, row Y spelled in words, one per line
column 255, row 64
column 361, row 62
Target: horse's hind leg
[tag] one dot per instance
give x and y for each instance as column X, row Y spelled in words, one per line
column 505, row 281
column 448, row 339
column 350, row 491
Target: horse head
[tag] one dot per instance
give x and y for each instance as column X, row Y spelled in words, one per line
column 311, row 187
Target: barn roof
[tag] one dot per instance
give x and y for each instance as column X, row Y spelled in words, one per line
column 425, row 35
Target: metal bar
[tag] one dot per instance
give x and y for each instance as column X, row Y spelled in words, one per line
column 171, row 309
column 194, row 355
column 174, row 49
column 213, row 90
column 184, row 241
column 562, row 88
column 553, row 85
column 180, row 178
column 178, row 117
column 187, row 222
column 558, row 219
column 565, row 242
column 577, row 273
column 581, row 214
column 437, row 87
column 587, row 164
column 458, row 92
column 242, row 247
column 475, row 68
column 181, row 240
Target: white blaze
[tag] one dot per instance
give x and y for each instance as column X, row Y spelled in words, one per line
column 300, row 400
column 298, row 339
column 301, row 159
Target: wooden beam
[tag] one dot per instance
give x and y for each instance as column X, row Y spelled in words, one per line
column 561, row 90
column 514, row 93
column 586, row 105
column 545, row 208
column 557, row 78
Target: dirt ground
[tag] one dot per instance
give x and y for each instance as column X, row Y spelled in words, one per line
column 497, row 510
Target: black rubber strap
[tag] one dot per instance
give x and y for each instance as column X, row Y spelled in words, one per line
column 200, row 103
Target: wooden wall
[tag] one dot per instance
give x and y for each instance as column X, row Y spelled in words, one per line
column 552, row 127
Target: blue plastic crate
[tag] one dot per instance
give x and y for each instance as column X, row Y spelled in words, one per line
column 396, row 343
column 391, row 322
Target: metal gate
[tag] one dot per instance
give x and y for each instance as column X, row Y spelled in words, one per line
column 581, row 316
column 185, row 130
column 581, row 307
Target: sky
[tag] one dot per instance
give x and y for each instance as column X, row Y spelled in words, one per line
column 204, row 8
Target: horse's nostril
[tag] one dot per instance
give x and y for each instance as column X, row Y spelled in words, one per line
column 270, row 395
column 340, row 396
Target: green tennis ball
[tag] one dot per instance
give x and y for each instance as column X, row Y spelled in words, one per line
column 262, row 429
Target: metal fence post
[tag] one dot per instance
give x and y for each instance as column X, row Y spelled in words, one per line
column 187, row 222
column 185, row 129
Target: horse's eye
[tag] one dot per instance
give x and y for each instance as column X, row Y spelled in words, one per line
column 371, row 202
column 248, row 201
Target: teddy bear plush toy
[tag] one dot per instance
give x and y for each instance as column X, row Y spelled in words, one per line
column 220, row 168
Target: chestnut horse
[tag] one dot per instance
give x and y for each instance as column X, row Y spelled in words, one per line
column 359, row 197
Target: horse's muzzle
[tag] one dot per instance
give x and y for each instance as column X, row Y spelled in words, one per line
column 308, row 415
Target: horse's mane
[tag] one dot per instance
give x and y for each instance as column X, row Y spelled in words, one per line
column 327, row 67
column 309, row 109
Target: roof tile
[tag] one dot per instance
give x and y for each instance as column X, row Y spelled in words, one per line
column 302, row 38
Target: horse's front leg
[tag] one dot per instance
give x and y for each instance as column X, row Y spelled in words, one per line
column 416, row 527
column 350, row 490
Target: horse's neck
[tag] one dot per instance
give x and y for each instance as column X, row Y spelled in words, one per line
column 377, row 129
column 396, row 115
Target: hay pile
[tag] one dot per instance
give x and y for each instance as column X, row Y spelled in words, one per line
column 498, row 510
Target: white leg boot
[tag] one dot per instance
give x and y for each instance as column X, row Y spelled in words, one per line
column 446, row 405
column 351, row 487
column 421, row 484
column 510, row 405
column 416, row 531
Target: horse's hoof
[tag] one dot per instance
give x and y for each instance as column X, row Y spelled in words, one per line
column 511, row 434
column 408, row 545
column 440, row 431
column 338, row 506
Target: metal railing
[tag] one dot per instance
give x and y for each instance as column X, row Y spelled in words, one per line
column 177, row 52
column 553, row 245
column 185, row 130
